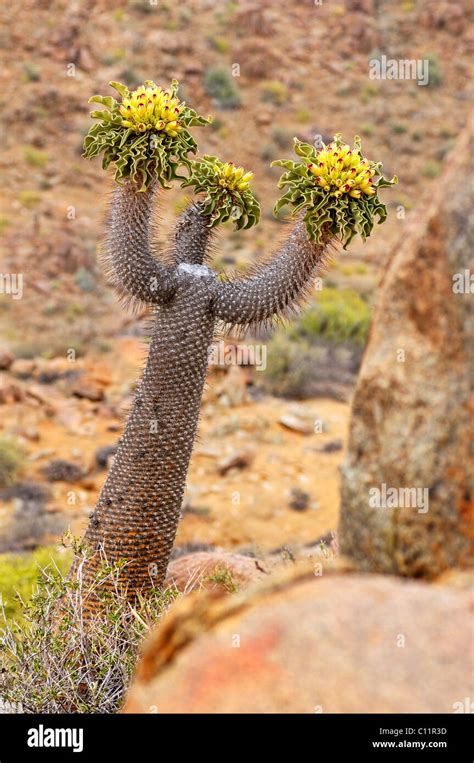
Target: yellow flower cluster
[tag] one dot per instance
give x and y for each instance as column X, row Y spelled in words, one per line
column 341, row 170
column 151, row 108
column 229, row 176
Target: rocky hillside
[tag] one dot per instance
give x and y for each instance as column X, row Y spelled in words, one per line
column 303, row 69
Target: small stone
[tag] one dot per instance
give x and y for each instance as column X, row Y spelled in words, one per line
column 6, row 360
column 263, row 118
column 11, row 393
column 23, row 369
column 104, row 456
column 299, row 500
column 296, row 424
column 31, row 433
column 61, row 470
column 39, row 454
column 88, row 389
column 67, row 415
column 331, row 447
column 239, row 459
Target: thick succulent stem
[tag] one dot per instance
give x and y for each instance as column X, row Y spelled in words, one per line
column 275, row 287
column 138, row 510
column 128, row 255
column 191, row 236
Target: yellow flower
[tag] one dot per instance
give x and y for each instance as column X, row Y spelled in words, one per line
column 341, row 170
column 229, row 176
column 149, row 107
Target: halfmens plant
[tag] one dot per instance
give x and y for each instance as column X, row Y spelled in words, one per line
column 138, row 510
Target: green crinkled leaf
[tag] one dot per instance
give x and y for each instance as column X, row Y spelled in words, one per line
column 344, row 216
column 105, row 100
column 122, row 90
column 105, row 116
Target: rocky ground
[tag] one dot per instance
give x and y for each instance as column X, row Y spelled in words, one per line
column 264, row 472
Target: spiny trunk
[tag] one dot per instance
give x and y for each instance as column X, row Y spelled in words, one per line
column 138, row 510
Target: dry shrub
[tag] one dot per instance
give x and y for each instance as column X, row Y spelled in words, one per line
column 72, row 663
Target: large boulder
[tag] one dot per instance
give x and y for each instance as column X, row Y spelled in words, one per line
column 304, row 644
column 405, row 499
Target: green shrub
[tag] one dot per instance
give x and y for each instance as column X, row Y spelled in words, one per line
column 218, row 43
column 220, row 85
column 57, row 660
column 30, row 522
column 223, row 577
column 274, row 92
column 368, row 91
column 282, row 137
column 50, row 346
column 74, row 311
column 19, row 575
column 85, row 280
column 367, row 129
column 34, row 157
column 109, row 59
column 28, row 198
column 298, row 368
column 320, row 353
column 103, row 346
column 431, row 169
column 185, row 16
column 217, row 124
column 435, row 76
column 303, row 116
column 12, row 458
column 268, row 152
column 30, row 72
column 337, row 315
column 398, row 128
column 285, row 373
column 130, row 77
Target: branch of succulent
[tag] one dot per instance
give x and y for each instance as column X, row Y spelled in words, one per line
column 227, row 192
column 333, row 192
column 336, row 186
column 146, row 134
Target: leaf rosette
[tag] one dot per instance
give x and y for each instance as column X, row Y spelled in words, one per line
column 145, row 134
column 227, row 192
column 336, row 186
